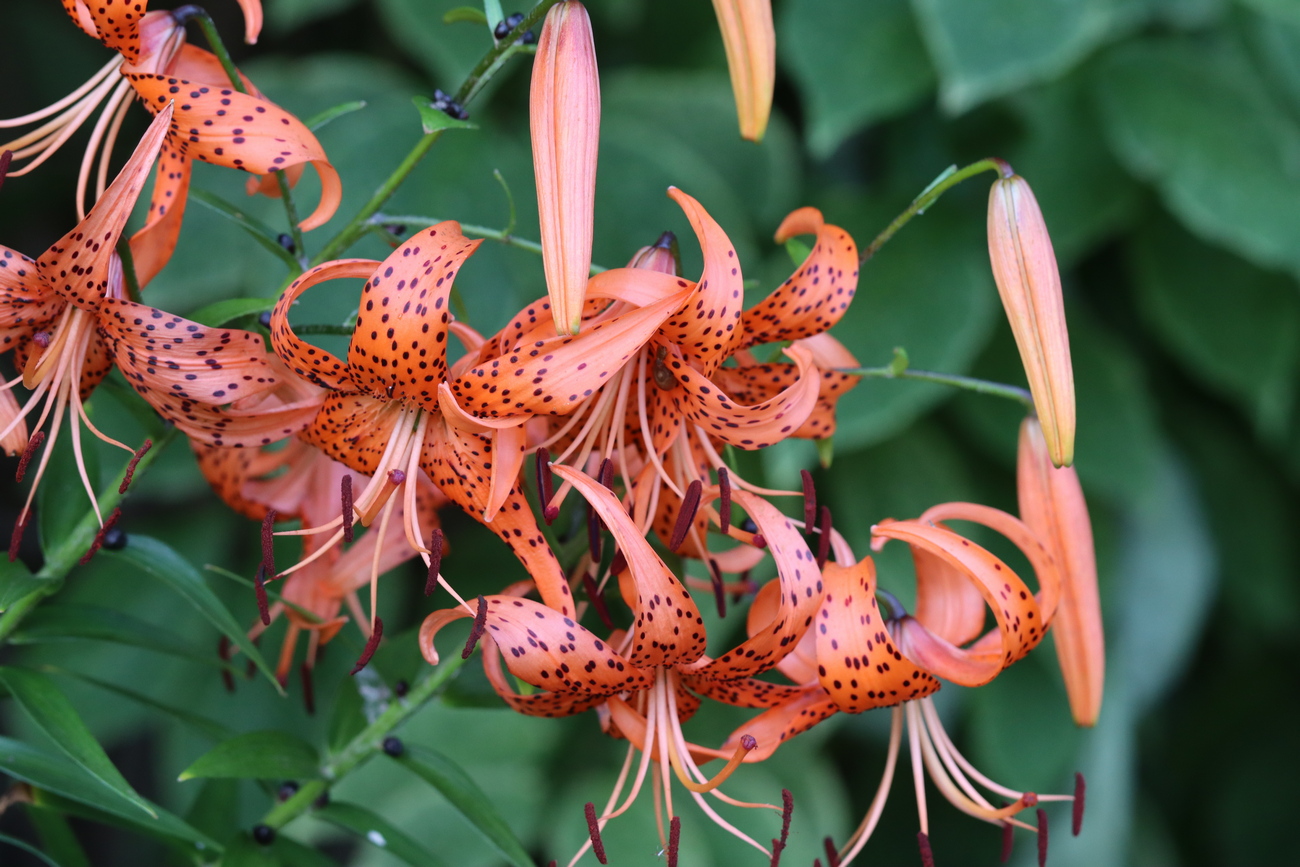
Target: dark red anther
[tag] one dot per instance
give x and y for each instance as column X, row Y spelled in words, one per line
column 5, row 158
column 618, row 565
column 32, row 445
column 268, row 546
column 372, row 644
column 817, row 862
column 16, row 539
column 1080, row 791
column 824, row 536
column 98, row 541
column 223, row 651
column 690, row 505
column 259, row 588
column 787, row 812
column 435, row 561
column 597, row 600
column 130, row 466
column 674, row 837
column 593, row 828
column 832, row 854
column 346, row 491
column 809, row 501
column 1008, row 840
column 724, row 499
column 606, row 474
column 759, row 541
column 594, row 526
column 1042, row 837
column 308, row 691
column 545, row 485
column 927, row 855
column 476, row 632
column 719, row 591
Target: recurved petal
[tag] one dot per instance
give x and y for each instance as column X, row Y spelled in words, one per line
column 708, row 327
column 744, row 691
column 639, row 286
column 15, row 441
column 115, row 24
column 800, row 664
column 313, row 364
column 399, row 344
column 252, row 19
column 819, row 291
column 153, row 244
column 27, row 301
column 78, row 264
column 540, row 704
column 1051, row 502
column 667, row 629
column 750, row 40
column 353, row 429
column 774, row 727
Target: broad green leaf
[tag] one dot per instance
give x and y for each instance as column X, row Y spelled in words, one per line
column 160, row 561
column 61, row 500
column 16, row 581
column 464, row 794
column 72, row 622
column 242, row 850
column 378, row 832
column 493, row 14
column 294, row 854
column 168, row 827
column 57, row 837
column 445, row 52
column 985, row 48
column 56, row 717
column 433, row 119
column 856, row 63
column 29, row 849
column 285, row 15
column 263, row 755
column 464, row 15
column 333, row 113
column 207, row 726
column 263, row 234
column 221, row 312
column 1195, row 119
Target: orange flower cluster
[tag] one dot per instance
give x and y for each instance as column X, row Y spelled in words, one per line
column 637, row 380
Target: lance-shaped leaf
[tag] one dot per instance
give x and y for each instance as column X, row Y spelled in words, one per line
column 264, row 755
column 750, row 40
column 564, row 118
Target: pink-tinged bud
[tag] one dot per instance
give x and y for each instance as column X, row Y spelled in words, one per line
column 1024, row 267
column 750, row 40
column 15, row 439
column 1052, row 504
column 663, row 256
column 564, row 115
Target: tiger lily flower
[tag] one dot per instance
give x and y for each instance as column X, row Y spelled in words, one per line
column 1024, row 267
column 645, row 681
column 564, row 117
column 1052, row 504
column 212, row 121
column 750, row 40
column 51, row 314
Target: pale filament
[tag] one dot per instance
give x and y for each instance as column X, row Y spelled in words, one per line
column 869, row 821
column 111, row 118
column 110, row 67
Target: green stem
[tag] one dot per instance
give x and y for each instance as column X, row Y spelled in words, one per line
column 931, row 194
column 60, row 560
column 500, row 235
column 979, row 386
column 365, row 745
column 479, row 76
column 128, row 269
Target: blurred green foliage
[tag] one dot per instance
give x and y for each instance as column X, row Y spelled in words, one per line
column 1163, row 140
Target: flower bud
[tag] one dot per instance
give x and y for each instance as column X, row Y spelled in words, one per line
column 663, row 256
column 14, row 442
column 1052, row 505
column 750, row 40
column 1024, row 268
column 564, row 115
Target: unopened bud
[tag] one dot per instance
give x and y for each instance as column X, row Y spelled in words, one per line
column 750, row 40
column 663, row 256
column 564, row 117
column 1024, row 267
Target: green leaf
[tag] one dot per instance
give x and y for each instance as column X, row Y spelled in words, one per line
column 259, row 231
column 220, row 312
column 29, row 849
column 57, row 837
column 379, row 832
column 346, row 718
column 207, row 726
column 242, row 850
column 464, row 794
column 263, row 755
column 286, row 15
column 832, row 43
column 71, row 622
column 464, row 15
column 1194, row 118
column 433, row 119
column 332, row 114
column 158, row 560
column 16, row 581
column 61, row 500
column 493, row 14
column 56, row 717
column 445, row 52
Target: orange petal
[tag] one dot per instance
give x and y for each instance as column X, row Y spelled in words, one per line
column 79, row 12
column 668, row 629
column 800, row 665
column 744, row 691
column 774, row 727
column 117, row 25
column 83, row 257
column 153, row 244
column 541, row 704
column 750, row 40
column 354, row 429
column 564, row 117
column 638, row 286
column 858, row 665
column 1051, row 502
column 708, row 329
column 1024, row 267
column 27, row 302
column 313, row 364
column 15, row 441
column 819, row 291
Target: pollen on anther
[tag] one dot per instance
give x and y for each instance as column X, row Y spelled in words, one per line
column 1080, row 791
column 268, row 544
column 372, row 644
column 32, row 445
column 476, row 631
column 130, row 466
column 724, row 499
column 809, row 500
column 345, row 489
column 690, row 505
column 593, row 829
column 435, row 561
column 674, row 838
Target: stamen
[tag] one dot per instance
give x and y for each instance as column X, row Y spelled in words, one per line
column 597, row 600
column 606, row 474
column 345, row 489
column 593, row 829
column 927, row 856
column 1042, row 837
column 268, row 544
column 130, row 467
column 372, row 644
column 99, row 537
column 545, row 485
column 308, row 692
column 5, row 158
column 832, row 853
column 724, row 499
column 759, row 541
column 809, row 501
column 747, row 743
column 674, row 836
column 685, row 518
column 620, row 563
column 787, row 810
column 223, row 651
column 1080, row 791
column 824, row 540
column 435, row 561
column 396, row 477
column 594, row 526
column 259, row 587
column 476, row 632
column 32, row 445
column 719, row 589
column 1008, row 840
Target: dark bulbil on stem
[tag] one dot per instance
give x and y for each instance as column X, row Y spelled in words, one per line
column 448, row 106
column 393, row 746
column 264, row 834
